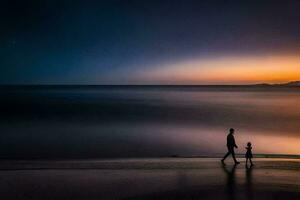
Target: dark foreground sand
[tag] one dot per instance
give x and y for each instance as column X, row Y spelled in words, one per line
column 166, row 178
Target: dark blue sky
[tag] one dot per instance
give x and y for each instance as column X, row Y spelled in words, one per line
column 106, row 42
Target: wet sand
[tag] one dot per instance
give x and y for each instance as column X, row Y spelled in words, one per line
column 163, row 178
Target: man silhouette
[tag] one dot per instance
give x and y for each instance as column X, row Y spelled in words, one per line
column 230, row 146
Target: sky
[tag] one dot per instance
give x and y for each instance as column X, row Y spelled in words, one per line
column 149, row 42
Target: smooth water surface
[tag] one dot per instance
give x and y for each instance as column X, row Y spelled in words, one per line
column 145, row 121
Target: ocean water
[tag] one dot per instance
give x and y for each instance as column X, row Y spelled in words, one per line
column 145, row 121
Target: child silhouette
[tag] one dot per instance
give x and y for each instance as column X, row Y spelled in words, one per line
column 249, row 155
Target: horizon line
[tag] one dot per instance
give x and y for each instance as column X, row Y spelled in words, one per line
column 59, row 84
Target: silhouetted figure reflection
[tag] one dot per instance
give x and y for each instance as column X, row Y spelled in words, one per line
column 230, row 182
column 249, row 190
column 230, row 146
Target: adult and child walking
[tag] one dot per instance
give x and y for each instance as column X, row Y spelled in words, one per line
column 231, row 145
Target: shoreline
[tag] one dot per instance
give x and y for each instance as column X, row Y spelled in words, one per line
column 178, row 163
column 218, row 155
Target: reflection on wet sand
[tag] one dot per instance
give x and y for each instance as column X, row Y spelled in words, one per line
column 230, row 182
column 249, row 189
column 232, row 187
column 152, row 179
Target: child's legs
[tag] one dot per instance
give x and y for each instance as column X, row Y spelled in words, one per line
column 246, row 161
column 251, row 161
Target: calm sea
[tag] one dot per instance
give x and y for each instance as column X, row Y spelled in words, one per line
column 145, row 121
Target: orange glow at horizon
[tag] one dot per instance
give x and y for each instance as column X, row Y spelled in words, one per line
column 287, row 144
column 229, row 70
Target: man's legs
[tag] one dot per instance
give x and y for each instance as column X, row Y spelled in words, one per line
column 233, row 156
column 226, row 155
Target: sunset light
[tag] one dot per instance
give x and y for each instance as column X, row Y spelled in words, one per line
column 228, row 70
column 150, row 99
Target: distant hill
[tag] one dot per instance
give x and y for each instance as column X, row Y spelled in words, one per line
column 289, row 84
column 293, row 83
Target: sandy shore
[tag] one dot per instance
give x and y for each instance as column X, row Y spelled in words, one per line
column 165, row 178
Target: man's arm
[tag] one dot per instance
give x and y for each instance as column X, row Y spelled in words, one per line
column 234, row 143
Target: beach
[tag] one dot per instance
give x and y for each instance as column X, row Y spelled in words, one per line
column 151, row 178
column 145, row 99
column 138, row 142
